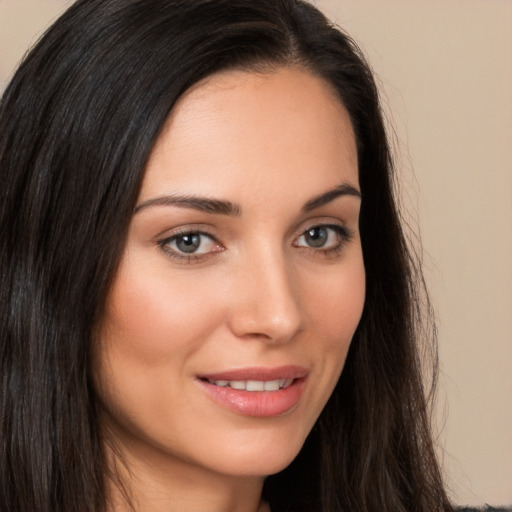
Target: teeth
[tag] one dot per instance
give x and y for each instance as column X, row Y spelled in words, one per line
column 271, row 385
column 254, row 385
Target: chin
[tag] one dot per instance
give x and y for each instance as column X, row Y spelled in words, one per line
column 258, row 457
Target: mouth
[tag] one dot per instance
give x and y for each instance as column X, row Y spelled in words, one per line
column 253, row 385
column 257, row 392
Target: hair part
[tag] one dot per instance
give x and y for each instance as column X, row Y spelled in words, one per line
column 78, row 123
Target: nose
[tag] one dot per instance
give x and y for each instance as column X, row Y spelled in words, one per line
column 266, row 300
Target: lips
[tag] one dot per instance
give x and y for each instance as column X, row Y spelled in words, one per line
column 261, row 392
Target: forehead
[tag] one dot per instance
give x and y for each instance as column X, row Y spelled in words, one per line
column 237, row 129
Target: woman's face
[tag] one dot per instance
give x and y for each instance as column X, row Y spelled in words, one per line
column 242, row 279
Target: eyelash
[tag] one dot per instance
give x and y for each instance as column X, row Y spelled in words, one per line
column 343, row 233
column 183, row 257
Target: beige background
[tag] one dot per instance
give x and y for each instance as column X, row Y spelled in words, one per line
column 445, row 68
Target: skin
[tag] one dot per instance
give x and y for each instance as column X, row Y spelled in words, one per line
column 255, row 294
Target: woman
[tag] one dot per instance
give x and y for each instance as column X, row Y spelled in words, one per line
column 198, row 235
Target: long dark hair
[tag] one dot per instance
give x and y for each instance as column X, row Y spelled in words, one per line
column 77, row 124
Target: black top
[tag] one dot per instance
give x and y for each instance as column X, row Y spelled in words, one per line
column 487, row 508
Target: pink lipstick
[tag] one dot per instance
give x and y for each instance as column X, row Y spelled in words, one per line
column 258, row 392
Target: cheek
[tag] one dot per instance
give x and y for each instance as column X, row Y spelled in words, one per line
column 336, row 303
column 335, row 300
column 152, row 328
column 157, row 319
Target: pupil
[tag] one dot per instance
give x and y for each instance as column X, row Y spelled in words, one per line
column 316, row 237
column 188, row 243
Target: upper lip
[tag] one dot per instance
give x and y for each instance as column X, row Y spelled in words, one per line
column 258, row 373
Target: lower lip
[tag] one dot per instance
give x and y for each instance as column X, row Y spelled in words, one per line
column 262, row 404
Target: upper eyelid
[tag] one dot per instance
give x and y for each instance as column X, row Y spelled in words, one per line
column 344, row 232
column 295, row 232
column 183, row 257
column 187, row 232
column 167, row 237
column 319, row 222
column 333, row 226
column 183, row 230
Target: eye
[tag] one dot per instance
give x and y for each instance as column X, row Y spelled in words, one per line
column 190, row 244
column 323, row 238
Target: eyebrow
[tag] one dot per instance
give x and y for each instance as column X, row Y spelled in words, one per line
column 202, row 204
column 345, row 189
column 221, row 207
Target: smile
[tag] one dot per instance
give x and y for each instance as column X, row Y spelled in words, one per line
column 254, row 385
column 256, row 392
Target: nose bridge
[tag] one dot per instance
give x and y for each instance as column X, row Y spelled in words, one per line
column 268, row 304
